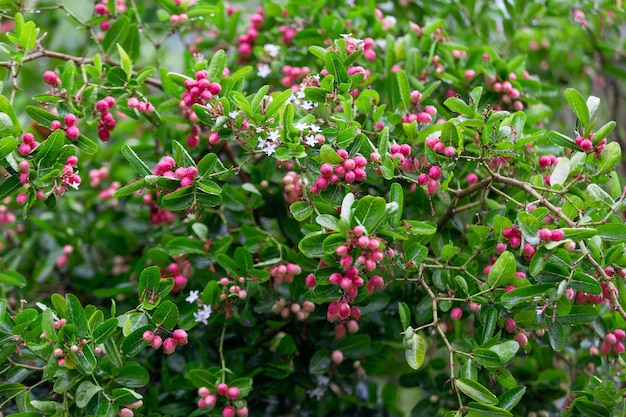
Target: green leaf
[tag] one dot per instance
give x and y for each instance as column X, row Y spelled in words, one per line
column 578, row 233
column 476, row 391
column 488, row 358
column 86, row 360
column 9, row 185
column 511, row 398
column 242, row 102
column 529, row 225
column 134, row 160
column 609, row 157
column 556, row 335
column 130, row 188
column 149, row 282
column 604, row 132
column 125, row 396
column 104, row 330
column 277, row 103
column 612, row 232
column 585, row 283
column 125, row 63
column 590, row 409
column 485, row 410
column 405, row 314
column 578, row 105
column 396, row 195
column 86, row 145
column 458, row 106
column 415, row 351
column 491, row 318
column 105, row 409
column 354, row 345
column 166, row 315
column 7, row 145
column 405, row 90
column 202, row 378
column 133, row 376
column 328, row 154
column 579, row 314
column 369, row 212
column 181, row 156
column 117, row 33
column 216, row 66
column 180, row 199
column 134, row 343
column 301, row 210
column 311, row 244
column 48, row 151
column 85, row 392
column 12, row 278
column 560, row 172
column 75, row 314
column 502, row 271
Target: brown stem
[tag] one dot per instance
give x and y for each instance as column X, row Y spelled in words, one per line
column 458, row 197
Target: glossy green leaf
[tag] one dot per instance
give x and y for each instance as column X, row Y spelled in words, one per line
column 502, row 271
column 485, row 410
column 166, row 315
column 475, row 391
column 578, row 105
column 415, row 351
column 85, row 392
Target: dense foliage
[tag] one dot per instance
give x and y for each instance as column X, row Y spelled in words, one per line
column 311, row 208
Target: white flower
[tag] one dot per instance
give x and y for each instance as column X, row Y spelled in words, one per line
column 346, row 35
column 262, row 143
column 259, row 129
column 74, row 185
column 314, row 128
column 193, row 296
column 300, row 126
column 203, row 315
column 264, row 70
column 308, row 105
column 233, row 114
column 310, row 140
column 273, row 136
column 269, row 149
column 272, row 50
column 300, row 94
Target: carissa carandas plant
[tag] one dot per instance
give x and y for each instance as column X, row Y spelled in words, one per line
column 224, row 211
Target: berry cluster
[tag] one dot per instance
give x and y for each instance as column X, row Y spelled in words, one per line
column 179, row 271
column 587, row 146
column 165, row 167
column 6, row 217
column 232, row 287
column 71, row 130
column 158, row 214
column 285, row 309
column 107, row 122
column 514, row 235
column 280, row 273
column 139, row 105
column 29, row 144
column 64, row 258
column 350, row 171
column 178, row 338
column 347, row 316
column 246, row 41
column 292, row 187
column 422, row 117
column 234, row 406
column 431, row 180
column 199, row 91
column 288, row 33
column 176, row 19
column 439, row 147
column 508, row 93
column 101, row 9
column 547, row 235
column 292, row 74
column 613, row 341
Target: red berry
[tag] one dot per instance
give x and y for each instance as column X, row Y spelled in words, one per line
column 557, row 235
column 148, row 336
column 72, row 133
column 510, row 325
column 232, row 393
column 51, row 78
column 180, row 336
column 228, row 411
column 456, row 313
column 222, row 388
column 69, row 119
column 100, row 9
column 521, row 339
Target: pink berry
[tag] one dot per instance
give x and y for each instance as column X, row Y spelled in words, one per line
column 449, row 151
column 51, row 78
column 126, row 412
column 148, row 336
column 433, row 187
column 610, row 338
column 242, row 412
column 55, row 125
column 619, row 334
column 521, row 339
column 618, row 348
column 72, row 132
column 586, row 145
column 557, row 235
column 434, row 172
column 180, row 336
column 69, row 119
column 222, row 388
column 500, row 247
column 21, row 199
column 545, row 234
column 510, row 325
column 228, row 411
column 456, row 313
column 232, row 393
column 156, row 343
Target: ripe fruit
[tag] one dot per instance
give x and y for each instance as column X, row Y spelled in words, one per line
column 232, row 393
column 456, row 313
